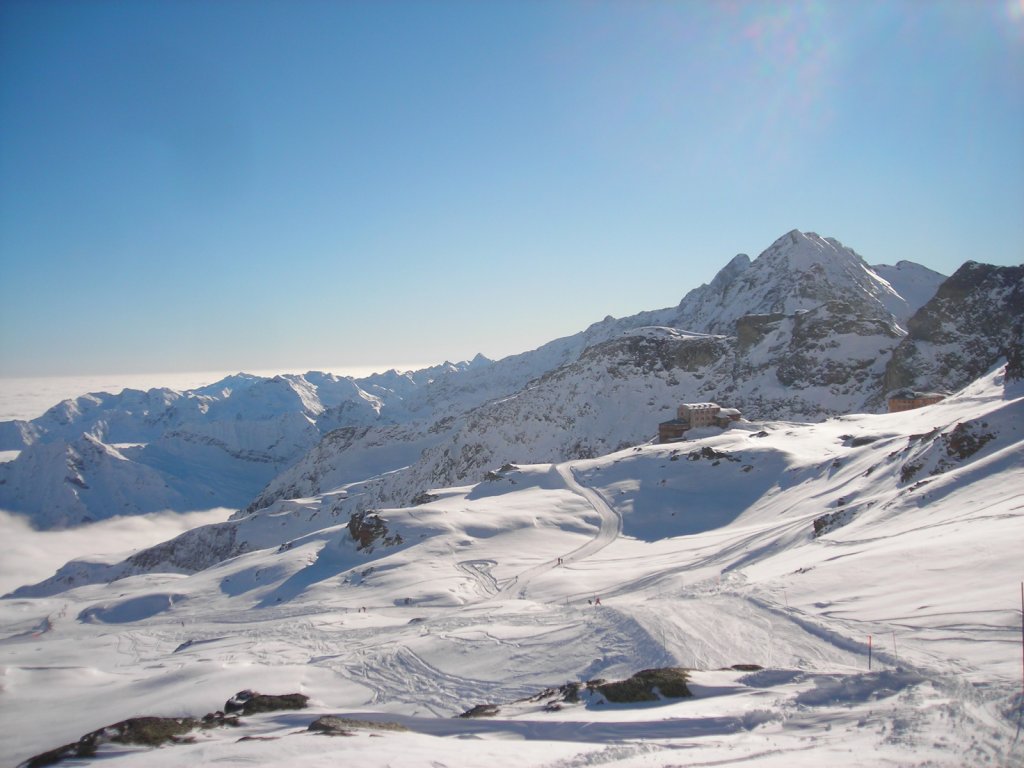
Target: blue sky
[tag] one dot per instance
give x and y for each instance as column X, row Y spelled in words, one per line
column 257, row 185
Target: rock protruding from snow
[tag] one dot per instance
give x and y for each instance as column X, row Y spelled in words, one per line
column 972, row 322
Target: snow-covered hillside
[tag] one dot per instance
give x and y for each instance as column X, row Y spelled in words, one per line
column 840, row 582
column 101, row 455
column 793, row 550
column 805, row 331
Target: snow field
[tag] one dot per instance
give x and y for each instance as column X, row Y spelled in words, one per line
column 474, row 607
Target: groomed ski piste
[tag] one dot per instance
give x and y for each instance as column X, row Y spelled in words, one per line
column 701, row 554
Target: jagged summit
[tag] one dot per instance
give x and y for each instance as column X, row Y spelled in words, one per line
column 798, row 272
column 803, row 331
column 807, row 251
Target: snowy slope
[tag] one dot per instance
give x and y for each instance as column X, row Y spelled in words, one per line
column 822, row 362
column 61, row 478
column 804, row 331
column 914, row 283
column 778, row 544
column 808, row 329
column 101, row 454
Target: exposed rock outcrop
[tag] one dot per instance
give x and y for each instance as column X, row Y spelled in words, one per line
column 972, row 322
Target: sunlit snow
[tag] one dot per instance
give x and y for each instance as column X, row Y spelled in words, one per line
column 703, row 555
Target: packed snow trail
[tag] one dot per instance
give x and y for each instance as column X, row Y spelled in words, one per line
column 609, row 531
column 611, row 520
column 480, row 572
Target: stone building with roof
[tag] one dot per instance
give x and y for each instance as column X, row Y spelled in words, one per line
column 693, row 416
column 909, row 399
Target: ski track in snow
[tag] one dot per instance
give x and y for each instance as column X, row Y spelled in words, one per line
column 480, row 572
column 610, row 529
column 497, row 622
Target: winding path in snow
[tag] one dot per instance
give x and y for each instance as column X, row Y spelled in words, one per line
column 609, row 531
column 611, row 520
column 480, row 572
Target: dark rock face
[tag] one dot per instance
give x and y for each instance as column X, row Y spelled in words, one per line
column 650, row 354
column 191, row 551
column 966, row 439
column 1015, row 352
column 806, row 361
column 155, row 731
column 250, row 703
column 481, row 710
column 142, row 731
column 752, row 329
column 369, row 528
column 707, row 452
column 831, row 521
column 647, row 685
column 332, row 725
column 941, row 451
column 973, row 320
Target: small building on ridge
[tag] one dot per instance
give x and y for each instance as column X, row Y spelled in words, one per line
column 909, row 399
column 693, row 416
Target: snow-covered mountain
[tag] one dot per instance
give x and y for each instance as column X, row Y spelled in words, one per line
column 103, row 454
column 829, row 583
column 841, row 592
column 804, row 331
column 798, row 272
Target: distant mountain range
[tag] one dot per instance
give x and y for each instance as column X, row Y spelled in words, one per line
column 805, row 331
column 501, row 539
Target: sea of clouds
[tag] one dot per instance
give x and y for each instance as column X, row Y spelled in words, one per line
column 30, row 555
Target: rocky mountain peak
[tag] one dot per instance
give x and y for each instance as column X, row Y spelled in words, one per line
column 805, row 254
column 739, row 263
column 802, row 331
column 798, row 272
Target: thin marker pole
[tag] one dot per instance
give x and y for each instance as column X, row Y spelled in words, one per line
column 869, row 653
column 894, row 651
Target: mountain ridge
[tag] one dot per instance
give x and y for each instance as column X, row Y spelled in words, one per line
column 780, row 310
column 509, row 526
column 761, row 559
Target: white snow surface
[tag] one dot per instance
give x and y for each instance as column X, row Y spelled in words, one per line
column 247, row 441
column 914, row 283
column 703, row 554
